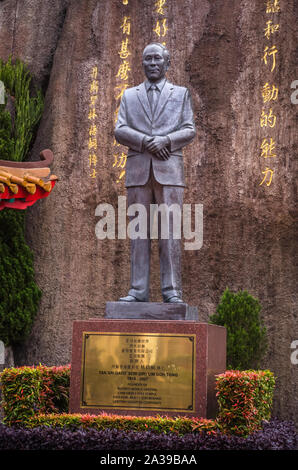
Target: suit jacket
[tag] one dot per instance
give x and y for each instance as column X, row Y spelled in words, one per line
column 173, row 117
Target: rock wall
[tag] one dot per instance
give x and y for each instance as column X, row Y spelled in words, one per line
column 224, row 51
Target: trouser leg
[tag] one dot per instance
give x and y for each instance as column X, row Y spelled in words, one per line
column 170, row 247
column 140, row 248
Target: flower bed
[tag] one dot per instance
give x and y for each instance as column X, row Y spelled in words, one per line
column 34, row 396
column 273, row 436
column 35, row 404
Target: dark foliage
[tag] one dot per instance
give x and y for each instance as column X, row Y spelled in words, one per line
column 19, row 294
column 246, row 336
column 276, row 435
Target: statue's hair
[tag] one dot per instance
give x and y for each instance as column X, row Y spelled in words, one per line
column 165, row 50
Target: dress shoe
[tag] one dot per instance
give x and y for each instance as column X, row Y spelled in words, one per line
column 174, row 300
column 128, row 298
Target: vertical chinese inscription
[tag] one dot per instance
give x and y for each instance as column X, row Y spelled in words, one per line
column 92, row 116
column 122, row 78
column 269, row 91
column 160, row 27
column 138, row 371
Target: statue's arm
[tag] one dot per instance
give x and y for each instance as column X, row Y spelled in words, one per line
column 186, row 132
column 125, row 134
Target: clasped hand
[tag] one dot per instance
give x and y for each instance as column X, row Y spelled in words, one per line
column 158, row 146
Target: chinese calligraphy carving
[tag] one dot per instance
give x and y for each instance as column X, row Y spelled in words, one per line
column 272, row 51
column 267, row 173
column 272, row 6
column 161, row 23
column 269, row 93
column 122, row 78
column 92, row 132
column 268, row 118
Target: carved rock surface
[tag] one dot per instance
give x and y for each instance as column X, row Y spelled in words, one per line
column 250, row 229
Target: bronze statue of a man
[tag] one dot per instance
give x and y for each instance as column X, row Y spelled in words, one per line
column 155, row 122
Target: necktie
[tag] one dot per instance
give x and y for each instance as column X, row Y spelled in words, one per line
column 153, row 97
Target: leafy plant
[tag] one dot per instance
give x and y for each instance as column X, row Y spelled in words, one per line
column 6, row 140
column 245, row 400
column 28, row 111
column 19, row 294
column 28, row 391
column 246, row 336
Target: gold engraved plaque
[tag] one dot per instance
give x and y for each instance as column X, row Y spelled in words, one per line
column 138, row 371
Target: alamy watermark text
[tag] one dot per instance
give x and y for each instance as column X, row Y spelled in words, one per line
column 157, row 221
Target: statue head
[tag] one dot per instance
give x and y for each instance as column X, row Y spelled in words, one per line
column 156, row 61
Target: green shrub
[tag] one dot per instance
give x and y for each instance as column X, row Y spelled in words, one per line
column 28, row 111
column 244, row 399
column 20, row 394
column 6, row 140
column 27, row 391
column 19, row 294
column 246, row 336
column 54, row 395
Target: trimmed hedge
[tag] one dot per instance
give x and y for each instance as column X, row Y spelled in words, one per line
column 245, row 400
column 159, row 424
column 37, row 396
column 273, row 436
column 27, row 391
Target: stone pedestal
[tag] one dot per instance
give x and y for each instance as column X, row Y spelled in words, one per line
column 151, row 311
column 146, row 367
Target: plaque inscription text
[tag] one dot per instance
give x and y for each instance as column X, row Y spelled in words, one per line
column 138, row 371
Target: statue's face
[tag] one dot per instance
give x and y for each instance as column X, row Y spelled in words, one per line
column 154, row 63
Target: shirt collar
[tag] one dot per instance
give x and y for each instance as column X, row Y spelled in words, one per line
column 159, row 84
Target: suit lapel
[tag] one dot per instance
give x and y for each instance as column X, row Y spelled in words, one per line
column 143, row 98
column 164, row 96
